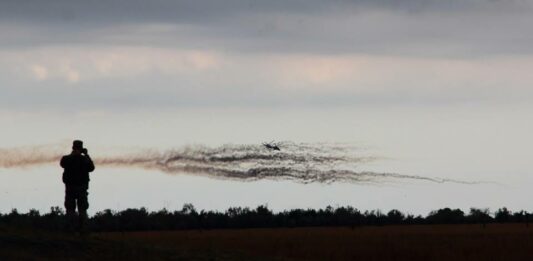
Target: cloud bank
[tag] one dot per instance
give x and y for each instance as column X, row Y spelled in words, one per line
column 160, row 54
column 413, row 27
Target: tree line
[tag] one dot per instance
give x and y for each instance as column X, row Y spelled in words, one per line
column 260, row 217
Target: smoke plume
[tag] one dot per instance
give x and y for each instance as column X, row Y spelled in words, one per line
column 299, row 162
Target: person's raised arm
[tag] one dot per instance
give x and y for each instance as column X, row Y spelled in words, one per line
column 90, row 164
column 62, row 162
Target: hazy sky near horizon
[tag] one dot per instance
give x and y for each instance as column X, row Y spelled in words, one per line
column 443, row 88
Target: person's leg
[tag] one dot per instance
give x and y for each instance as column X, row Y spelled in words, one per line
column 83, row 205
column 70, row 207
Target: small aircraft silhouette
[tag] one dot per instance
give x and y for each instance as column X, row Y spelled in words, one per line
column 271, row 146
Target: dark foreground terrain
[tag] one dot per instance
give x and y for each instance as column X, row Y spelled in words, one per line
column 406, row 242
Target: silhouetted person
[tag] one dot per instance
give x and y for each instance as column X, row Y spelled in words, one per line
column 77, row 166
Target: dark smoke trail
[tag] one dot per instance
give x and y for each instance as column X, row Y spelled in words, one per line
column 299, row 162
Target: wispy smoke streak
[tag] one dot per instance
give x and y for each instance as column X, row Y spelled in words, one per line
column 304, row 163
column 28, row 156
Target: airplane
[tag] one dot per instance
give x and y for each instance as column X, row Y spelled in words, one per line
column 271, row 146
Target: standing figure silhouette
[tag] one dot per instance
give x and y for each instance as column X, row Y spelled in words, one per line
column 77, row 166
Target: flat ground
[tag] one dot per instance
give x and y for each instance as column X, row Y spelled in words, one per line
column 421, row 242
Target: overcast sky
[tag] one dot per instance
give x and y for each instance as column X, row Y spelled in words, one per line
column 120, row 54
column 435, row 88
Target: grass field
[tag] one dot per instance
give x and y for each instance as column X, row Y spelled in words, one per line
column 420, row 242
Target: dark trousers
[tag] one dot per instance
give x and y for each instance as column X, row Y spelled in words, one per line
column 76, row 196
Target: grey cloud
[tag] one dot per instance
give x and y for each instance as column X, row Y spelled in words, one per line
column 206, row 10
column 236, row 29
column 413, row 27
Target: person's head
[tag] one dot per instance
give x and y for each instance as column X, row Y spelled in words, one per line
column 77, row 146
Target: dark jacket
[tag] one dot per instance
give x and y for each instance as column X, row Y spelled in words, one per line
column 77, row 168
